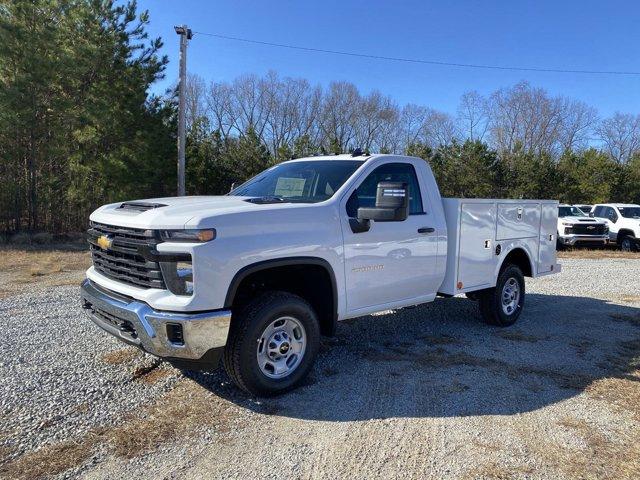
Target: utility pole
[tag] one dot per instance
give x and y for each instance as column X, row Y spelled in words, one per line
column 185, row 36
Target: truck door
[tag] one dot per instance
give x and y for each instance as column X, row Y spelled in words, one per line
column 392, row 261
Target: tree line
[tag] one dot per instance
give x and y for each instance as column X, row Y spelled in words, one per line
column 79, row 128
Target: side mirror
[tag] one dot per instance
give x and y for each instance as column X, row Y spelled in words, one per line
column 591, row 214
column 392, row 203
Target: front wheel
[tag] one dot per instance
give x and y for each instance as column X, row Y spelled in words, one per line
column 272, row 344
column 503, row 304
column 626, row 244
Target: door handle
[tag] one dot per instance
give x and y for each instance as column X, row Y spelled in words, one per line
column 426, row 230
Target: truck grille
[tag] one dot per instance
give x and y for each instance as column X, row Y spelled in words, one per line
column 589, row 229
column 124, row 260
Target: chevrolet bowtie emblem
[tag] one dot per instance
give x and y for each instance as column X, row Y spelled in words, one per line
column 105, row 242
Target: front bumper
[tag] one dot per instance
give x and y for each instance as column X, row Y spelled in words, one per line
column 136, row 323
column 576, row 239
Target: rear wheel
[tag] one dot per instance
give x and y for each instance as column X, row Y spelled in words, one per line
column 503, row 304
column 272, row 343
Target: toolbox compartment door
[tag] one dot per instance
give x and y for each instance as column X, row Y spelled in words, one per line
column 518, row 220
column 476, row 261
column 548, row 237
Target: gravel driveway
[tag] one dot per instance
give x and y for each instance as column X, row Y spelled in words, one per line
column 428, row 392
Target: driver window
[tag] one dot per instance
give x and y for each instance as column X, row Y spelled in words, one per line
column 365, row 194
column 612, row 215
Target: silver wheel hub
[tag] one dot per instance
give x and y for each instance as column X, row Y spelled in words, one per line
column 510, row 296
column 281, row 347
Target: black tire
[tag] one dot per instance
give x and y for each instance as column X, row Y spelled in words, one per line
column 490, row 303
column 240, row 354
column 626, row 244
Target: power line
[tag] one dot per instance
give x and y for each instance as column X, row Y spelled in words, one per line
column 416, row 60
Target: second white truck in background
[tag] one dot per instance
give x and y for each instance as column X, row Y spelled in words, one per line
column 256, row 276
column 623, row 221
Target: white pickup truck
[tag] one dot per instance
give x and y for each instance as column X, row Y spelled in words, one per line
column 256, row 276
column 623, row 220
column 576, row 228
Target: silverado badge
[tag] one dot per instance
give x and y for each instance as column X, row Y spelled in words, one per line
column 105, row 242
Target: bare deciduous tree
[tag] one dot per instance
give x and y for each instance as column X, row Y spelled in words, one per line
column 473, row 116
column 620, row 135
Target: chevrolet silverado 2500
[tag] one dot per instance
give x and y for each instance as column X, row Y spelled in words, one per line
column 576, row 228
column 623, row 220
column 256, row 276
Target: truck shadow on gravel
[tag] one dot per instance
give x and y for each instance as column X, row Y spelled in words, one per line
column 439, row 360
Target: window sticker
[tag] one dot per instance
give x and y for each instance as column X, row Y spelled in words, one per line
column 290, row 187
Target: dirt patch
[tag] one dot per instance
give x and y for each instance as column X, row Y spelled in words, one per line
column 123, row 355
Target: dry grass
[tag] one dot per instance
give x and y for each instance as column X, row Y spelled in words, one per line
column 495, row 471
column 517, row 336
column 630, row 298
column 154, row 376
column 50, row 460
column 123, row 355
column 440, row 340
column 597, row 253
column 181, row 412
column 633, row 319
column 615, row 455
column 42, row 267
column 178, row 414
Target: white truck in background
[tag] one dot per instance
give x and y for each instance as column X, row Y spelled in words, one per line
column 256, row 276
column 623, row 220
column 576, row 228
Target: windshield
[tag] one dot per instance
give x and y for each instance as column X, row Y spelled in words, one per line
column 307, row 182
column 630, row 212
column 570, row 212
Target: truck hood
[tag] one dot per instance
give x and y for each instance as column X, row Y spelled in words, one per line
column 172, row 212
column 571, row 219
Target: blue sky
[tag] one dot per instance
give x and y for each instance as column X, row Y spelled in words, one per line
column 569, row 34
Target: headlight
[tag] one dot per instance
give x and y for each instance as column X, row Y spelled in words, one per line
column 178, row 276
column 567, row 224
column 568, row 230
column 188, row 235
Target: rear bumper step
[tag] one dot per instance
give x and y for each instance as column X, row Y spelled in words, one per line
column 168, row 335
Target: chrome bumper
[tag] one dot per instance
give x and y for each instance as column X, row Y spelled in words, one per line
column 573, row 239
column 136, row 323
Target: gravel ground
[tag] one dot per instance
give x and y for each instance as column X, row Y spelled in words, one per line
column 428, row 392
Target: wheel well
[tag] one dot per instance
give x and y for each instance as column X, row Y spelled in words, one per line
column 519, row 258
column 314, row 282
column 624, row 233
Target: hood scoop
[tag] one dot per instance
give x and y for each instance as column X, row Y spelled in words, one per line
column 140, row 206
